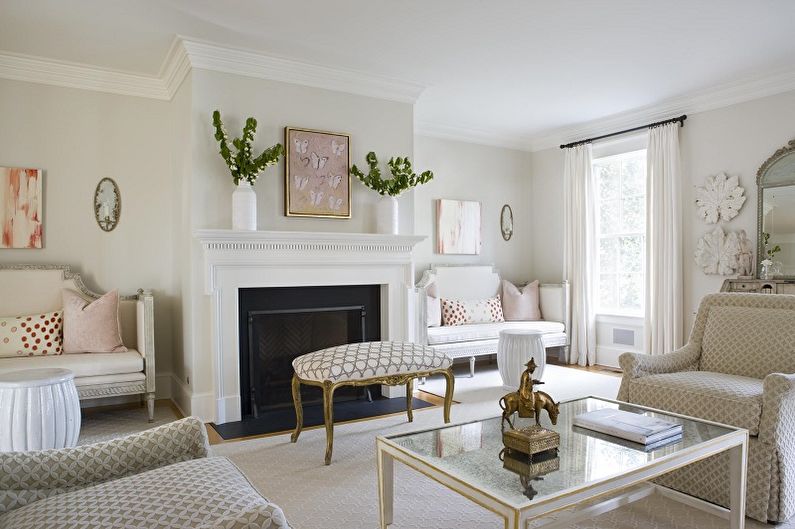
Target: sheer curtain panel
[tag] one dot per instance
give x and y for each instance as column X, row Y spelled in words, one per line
column 579, row 255
column 664, row 318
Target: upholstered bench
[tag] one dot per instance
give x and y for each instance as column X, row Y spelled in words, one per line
column 361, row 364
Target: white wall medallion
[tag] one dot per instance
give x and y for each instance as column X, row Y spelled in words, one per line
column 720, row 198
column 716, row 252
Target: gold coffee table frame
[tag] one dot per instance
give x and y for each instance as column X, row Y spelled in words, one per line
column 390, row 380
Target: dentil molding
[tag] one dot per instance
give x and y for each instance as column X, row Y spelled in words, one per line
column 234, row 248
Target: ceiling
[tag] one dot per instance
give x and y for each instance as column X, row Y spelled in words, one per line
column 508, row 67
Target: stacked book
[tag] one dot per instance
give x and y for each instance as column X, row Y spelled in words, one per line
column 648, row 431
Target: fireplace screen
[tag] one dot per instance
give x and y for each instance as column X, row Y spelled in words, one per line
column 276, row 337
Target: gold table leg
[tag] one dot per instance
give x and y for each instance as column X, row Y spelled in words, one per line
column 299, row 409
column 328, row 417
column 448, row 394
column 410, row 399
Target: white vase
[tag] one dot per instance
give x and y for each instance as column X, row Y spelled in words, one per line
column 244, row 207
column 387, row 220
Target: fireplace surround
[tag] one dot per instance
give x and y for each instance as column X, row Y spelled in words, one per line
column 233, row 260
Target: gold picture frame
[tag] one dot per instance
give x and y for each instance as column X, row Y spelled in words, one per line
column 317, row 177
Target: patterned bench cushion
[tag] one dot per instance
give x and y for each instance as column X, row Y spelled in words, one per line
column 718, row 397
column 360, row 361
column 201, row 493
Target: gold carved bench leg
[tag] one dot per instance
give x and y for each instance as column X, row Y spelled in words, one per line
column 299, row 410
column 448, row 394
column 410, row 399
column 328, row 417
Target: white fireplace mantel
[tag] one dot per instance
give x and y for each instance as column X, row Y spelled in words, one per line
column 249, row 259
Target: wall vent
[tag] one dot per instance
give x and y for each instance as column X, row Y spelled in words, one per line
column 624, row 337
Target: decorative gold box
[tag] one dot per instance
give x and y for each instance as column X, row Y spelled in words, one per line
column 528, row 466
column 531, row 439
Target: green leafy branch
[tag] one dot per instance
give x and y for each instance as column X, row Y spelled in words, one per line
column 403, row 176
column 770, row 252
column 241, row 163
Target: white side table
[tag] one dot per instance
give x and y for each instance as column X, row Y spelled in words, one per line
column 514, row 349
column 39, row 410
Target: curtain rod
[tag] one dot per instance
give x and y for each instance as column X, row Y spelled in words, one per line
column 681, row 120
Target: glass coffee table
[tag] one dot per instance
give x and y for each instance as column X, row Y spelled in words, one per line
column 470, row 459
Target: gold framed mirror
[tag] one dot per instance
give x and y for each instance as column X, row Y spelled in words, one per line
column 506, row 222
column 107, row 204
column 776, row 215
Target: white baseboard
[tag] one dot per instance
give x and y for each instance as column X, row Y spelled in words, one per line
column 180, row 395
column 608, row 356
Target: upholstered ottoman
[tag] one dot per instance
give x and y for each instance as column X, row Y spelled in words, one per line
column 361, row 364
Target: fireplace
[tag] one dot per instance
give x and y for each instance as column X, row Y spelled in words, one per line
column 277, row 324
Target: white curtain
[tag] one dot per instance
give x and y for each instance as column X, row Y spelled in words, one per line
column 579, row 255
column 664, row 290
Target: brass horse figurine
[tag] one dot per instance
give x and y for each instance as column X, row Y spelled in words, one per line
column 528, row 403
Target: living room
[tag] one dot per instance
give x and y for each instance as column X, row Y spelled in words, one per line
column 355, row 259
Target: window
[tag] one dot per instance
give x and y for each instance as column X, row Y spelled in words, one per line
column 621, row 233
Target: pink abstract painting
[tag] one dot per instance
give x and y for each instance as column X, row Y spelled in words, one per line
column 458, row 227
column 21, row 207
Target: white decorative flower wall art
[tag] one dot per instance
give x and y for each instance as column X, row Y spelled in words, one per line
column 717, row 252
column 720, row 198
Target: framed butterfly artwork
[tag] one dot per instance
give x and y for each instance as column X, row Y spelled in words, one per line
column 317, row 181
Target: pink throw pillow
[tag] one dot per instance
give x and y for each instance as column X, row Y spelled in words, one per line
column 520, row 305
column 464, row 311
column 433, row 306
column 91, row 327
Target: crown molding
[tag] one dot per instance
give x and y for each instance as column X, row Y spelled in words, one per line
column 186, row 53
column 19, row 67
column 211, row 56
column 176, row 66
column 471, row 135
column 715, row 97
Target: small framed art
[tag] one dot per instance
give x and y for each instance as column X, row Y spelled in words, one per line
column 458, row 227
column 21, row 207
column 317, row 180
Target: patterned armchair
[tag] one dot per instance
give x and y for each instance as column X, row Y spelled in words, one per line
column 737, row 368
column 158, row 478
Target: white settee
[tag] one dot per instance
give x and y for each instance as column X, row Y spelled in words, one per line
column 32, row 289
column 473, row 340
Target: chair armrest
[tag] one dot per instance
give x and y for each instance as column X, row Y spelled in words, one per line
column 777, row 423
column 634, row 365
column 145, row 329
column 28, row 476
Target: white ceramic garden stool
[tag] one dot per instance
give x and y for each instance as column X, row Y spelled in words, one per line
column 39, row 410
column 515, row 348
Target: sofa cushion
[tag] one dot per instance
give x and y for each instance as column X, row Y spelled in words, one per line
column 487, row 331
column 201, row 493
column 520, row 304
column 92, row 326
column 83, row 365
column 31, row 335
column 749, row 341
column 718, row 397
column 466, row 311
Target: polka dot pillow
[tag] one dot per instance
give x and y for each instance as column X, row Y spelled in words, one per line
column 35, row 335
column 465, row 311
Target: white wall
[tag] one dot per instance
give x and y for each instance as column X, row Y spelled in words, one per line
column 494, row 177
column 385, row 127
column 735, row 139
column 78, row 137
